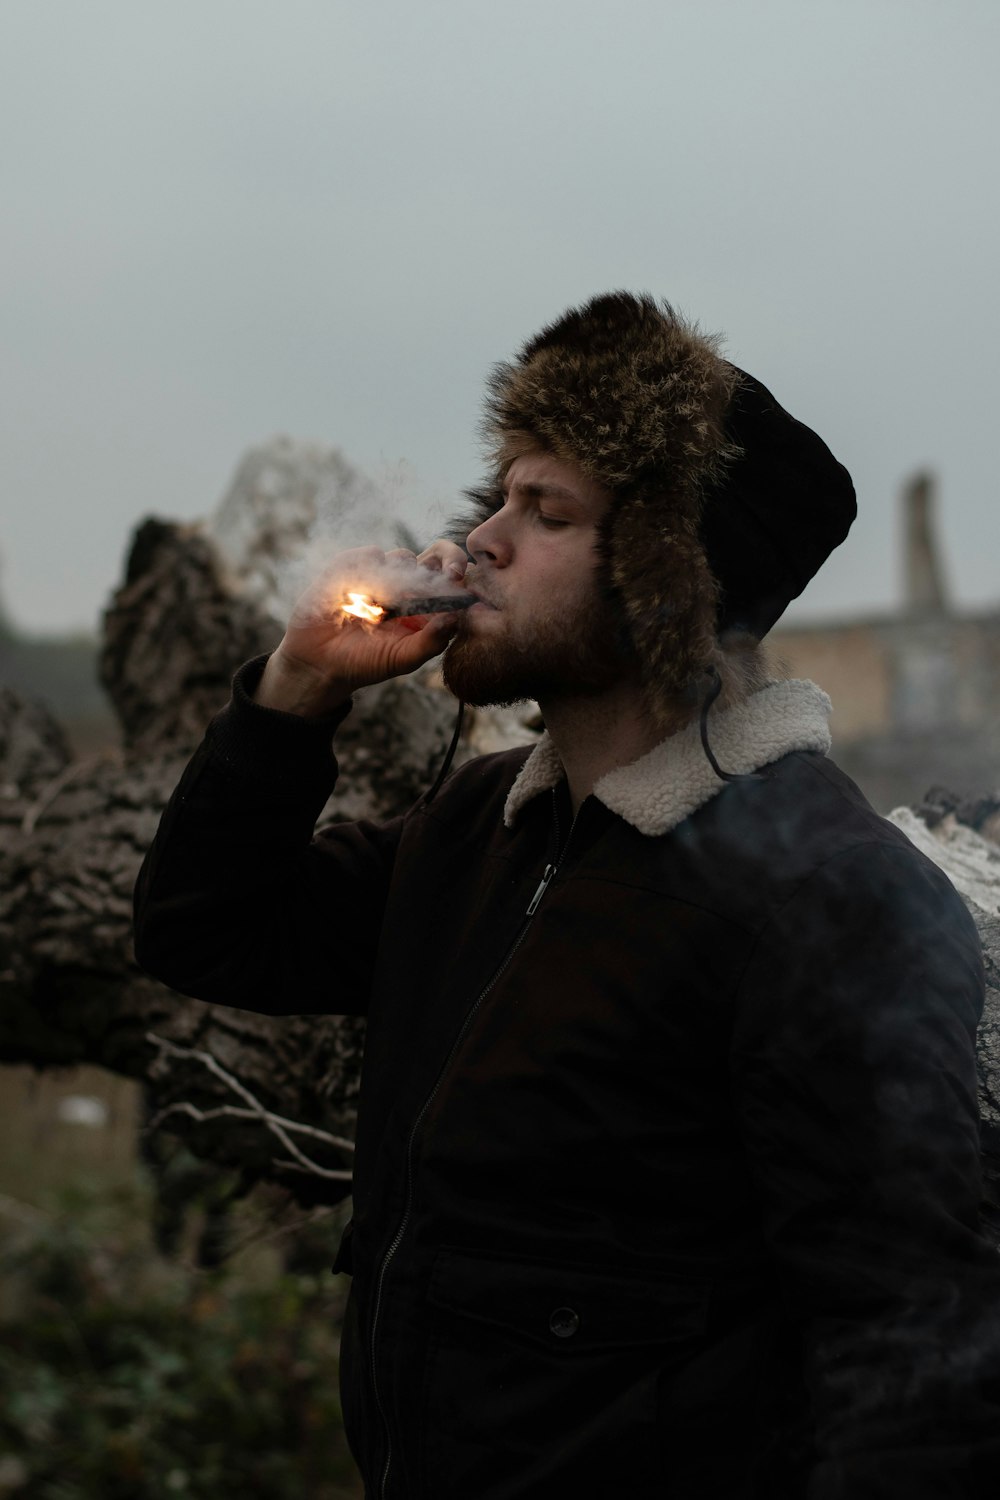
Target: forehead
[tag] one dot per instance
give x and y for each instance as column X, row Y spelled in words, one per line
column 559, row 478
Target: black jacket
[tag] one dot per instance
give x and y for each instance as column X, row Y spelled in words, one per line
column 669, row 1188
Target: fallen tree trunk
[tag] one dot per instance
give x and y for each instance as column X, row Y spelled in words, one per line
column 274, row 1097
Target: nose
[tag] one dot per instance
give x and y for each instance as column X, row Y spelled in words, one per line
column 490, row 541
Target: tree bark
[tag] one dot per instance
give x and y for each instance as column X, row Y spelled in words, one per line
column 74, row 834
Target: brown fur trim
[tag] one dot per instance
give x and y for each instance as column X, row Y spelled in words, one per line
column 636, row 396
column 623, row 388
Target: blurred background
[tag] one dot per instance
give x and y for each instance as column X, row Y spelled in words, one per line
column 236, row 228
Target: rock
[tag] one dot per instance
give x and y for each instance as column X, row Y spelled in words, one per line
column 33, row 747
column 194, row 604
column 972, row 863
column 290, row 504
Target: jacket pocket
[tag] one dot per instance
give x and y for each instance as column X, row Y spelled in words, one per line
column 544, row 1375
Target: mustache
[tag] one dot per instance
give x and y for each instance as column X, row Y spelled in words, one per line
column 479, row 592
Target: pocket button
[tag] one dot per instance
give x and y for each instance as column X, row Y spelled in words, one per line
column 564, row 1322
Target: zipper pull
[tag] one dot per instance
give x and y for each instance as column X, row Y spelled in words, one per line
column 543, row 886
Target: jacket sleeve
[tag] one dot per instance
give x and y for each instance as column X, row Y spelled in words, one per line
column 237, row 902
column 855, row 1085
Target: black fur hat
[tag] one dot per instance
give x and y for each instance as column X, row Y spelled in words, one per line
column 724, row 505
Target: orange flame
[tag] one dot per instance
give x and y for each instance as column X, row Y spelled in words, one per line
column 363, row 607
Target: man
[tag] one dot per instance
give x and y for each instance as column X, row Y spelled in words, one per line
column 667, row 1160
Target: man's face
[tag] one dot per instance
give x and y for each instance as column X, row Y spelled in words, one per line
column 543, row 630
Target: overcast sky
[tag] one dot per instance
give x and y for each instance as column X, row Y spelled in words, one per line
column 225, row 219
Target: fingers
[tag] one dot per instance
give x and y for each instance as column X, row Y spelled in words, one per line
column 359, row 646
column 422, row 642
column 445, row 557
column 329, row 588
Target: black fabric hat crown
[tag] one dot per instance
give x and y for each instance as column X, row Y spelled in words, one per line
column 724, row 505
column 777, row 513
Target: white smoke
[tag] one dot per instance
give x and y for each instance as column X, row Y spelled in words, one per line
column 294, row 508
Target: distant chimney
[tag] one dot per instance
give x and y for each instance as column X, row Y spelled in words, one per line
column 924, row 583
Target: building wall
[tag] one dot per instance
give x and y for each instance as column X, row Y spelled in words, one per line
column 851, row 663
column 907, row 675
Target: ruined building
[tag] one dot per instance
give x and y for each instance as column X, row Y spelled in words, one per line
column 916, row 693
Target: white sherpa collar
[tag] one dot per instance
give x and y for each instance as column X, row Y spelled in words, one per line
column 663, row 787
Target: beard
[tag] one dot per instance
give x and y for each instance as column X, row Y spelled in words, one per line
column 576, row 654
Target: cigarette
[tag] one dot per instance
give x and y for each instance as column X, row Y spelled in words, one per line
column 438, row 604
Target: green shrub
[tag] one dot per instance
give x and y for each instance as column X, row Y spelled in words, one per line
column 127, row 1377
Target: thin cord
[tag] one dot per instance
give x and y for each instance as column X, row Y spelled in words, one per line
column 710, row 698
column 450, row 755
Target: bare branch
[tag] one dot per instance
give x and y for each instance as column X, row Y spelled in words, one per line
column 73, row 772
column 293, row 1166
column 233, row 1112
column 278, row 1126
column 257, row 1237
column 24, row 1213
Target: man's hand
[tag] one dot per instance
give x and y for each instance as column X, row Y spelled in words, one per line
column 325, row 655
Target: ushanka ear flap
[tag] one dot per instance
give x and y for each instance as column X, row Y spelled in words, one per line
column 657, row 567
column 637, row 398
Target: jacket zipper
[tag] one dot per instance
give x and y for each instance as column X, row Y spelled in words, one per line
column 544, row 883
column 550, row 870
column 543, row 886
